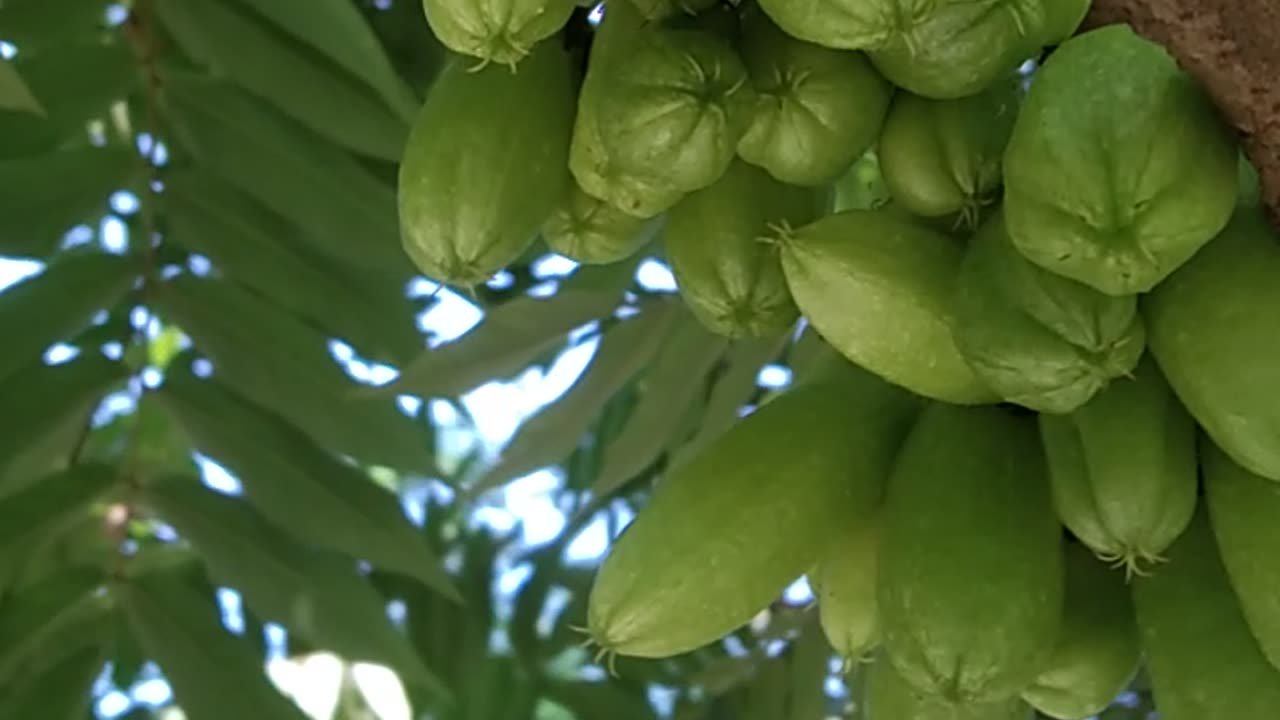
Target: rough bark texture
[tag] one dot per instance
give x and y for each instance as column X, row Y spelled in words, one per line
column 1233, row 48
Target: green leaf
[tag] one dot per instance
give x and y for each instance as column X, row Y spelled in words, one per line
column 44, row 196
column 46, row 508
column 287, row 73
column 674, row 383
column 29, row 618
column 344, row 210
column 43, row 309
column 336, row 28
column 810, row 664
column 75, row 83
column 14, row 93
column 267, row 354
column 44, row 405
column 733, row 389
column 515, row 333
column 297, row 485
column 257, row 248
column 769, row 691
column 34, row 25
column 552, row 434
column 214, row 675
column 589, row 701
column 312, row 592
column 61, row 692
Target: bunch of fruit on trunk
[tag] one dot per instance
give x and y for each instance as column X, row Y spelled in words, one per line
column 1040, row 453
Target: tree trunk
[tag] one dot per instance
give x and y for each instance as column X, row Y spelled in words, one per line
column 1233, row 48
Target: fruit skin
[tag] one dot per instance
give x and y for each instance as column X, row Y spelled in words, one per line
column 478, row 180
column 1123, row 469
column 1243, row 508
column 1098, row 649
column 659, row 9
column 1038, row 339
column 593, row 232
column 1203, row 662
column 969, row 498
column 957, row 49
column 817, row 109
column 728, row 529
column 890, row 697
column 940, row 157
column 660, row 113
column 844, row 582
column 1119, row 168
column 1212, row 330
column 878, row 288
column 502, row 32
column 729, row 278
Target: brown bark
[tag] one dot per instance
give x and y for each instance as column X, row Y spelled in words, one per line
column 1233, row 48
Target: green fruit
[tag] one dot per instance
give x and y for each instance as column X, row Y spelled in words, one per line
column 1098, row 649
column 660, row 114
column 592, row 231
column 959, row 48
column 890, row 697
column 659, row 9
column 1213, row 330
column 1243, row 508
column 1203, row 662
column 1119, row 168
column 730, row 278
column 1123, row 469
column 728, row 529
column 844, row 582
column 941, row 157
column 971, row 572
column 478, row 180
column 501, row 32
column 1038, row 339
column 878, row 288
column 817, row 110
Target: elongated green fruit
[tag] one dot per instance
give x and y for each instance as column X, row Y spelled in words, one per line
column 968, row 499
column 730, row 279
column 1119, row 168
column 1098, row 650
column 591, row 231
column 1123, row 469
column 878, row 287
column 890, row 697
column 1038, row 339
column 956, row 49
column 1243, row 508
column 726, row 531
column 485, row 165
column 1213, row 332
column 1203, row 662
column 502, row 32
column 659, row 9
column 660, row 114
column 940, row 157
column 817, row 109
column 845, row 584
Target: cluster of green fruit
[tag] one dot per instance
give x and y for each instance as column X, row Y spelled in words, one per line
column 1045, row 349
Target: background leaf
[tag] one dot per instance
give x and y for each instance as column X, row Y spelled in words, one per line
column 68, row 292
column 297, row 485
column 43, row 196
column 551, row 434
column 287, row 73
column 14, row 93
column 344, row 210
column 214, row 674
column 269, row 355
